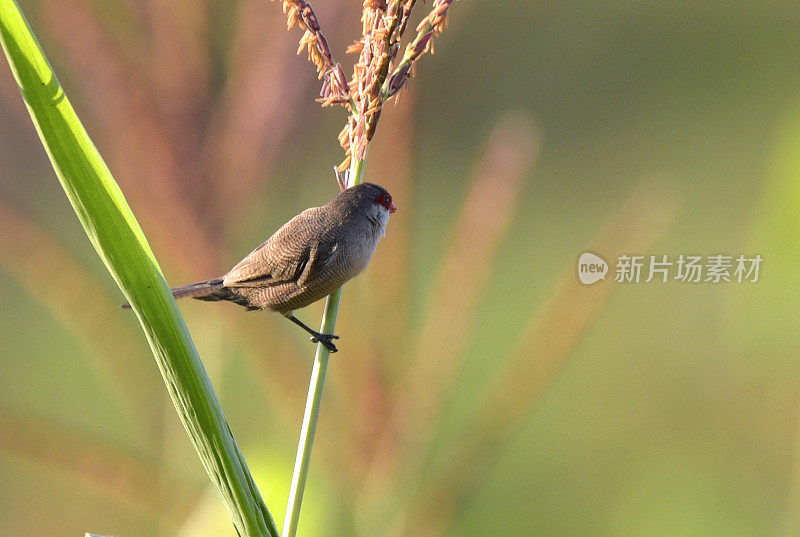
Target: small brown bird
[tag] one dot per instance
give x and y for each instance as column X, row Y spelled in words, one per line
column 308, row 258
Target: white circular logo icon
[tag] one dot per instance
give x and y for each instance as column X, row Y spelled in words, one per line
column 591, row 268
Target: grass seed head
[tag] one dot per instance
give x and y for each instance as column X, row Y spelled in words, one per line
column 378, row 74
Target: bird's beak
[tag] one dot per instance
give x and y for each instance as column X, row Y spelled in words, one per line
column 392, row 208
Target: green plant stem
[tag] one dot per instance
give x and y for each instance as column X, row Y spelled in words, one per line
column 121, row 244
column 316, row 384
column 310, row 417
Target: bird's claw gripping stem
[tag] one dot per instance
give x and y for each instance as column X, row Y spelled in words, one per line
column 326, row 339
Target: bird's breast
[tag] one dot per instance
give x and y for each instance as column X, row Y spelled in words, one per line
column 354, row 253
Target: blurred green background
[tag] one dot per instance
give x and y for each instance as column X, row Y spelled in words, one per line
column 480, row 388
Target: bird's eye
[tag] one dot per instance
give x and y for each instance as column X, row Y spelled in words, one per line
column 385, row 201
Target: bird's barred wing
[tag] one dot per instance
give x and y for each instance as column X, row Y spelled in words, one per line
column 288, row 255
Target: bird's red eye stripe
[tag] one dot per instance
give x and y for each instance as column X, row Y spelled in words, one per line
column 386, row 201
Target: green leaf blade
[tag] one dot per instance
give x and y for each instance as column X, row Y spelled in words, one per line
column 121, row 244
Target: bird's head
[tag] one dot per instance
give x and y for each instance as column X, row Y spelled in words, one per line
column 369, row 199
column 380, row 206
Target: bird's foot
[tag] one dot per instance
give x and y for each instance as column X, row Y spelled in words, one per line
column 325, row 339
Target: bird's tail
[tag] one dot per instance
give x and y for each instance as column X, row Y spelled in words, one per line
column 208, row 290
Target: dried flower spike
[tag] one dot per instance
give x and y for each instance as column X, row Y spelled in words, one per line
column 378, row 75
column 300, row 13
